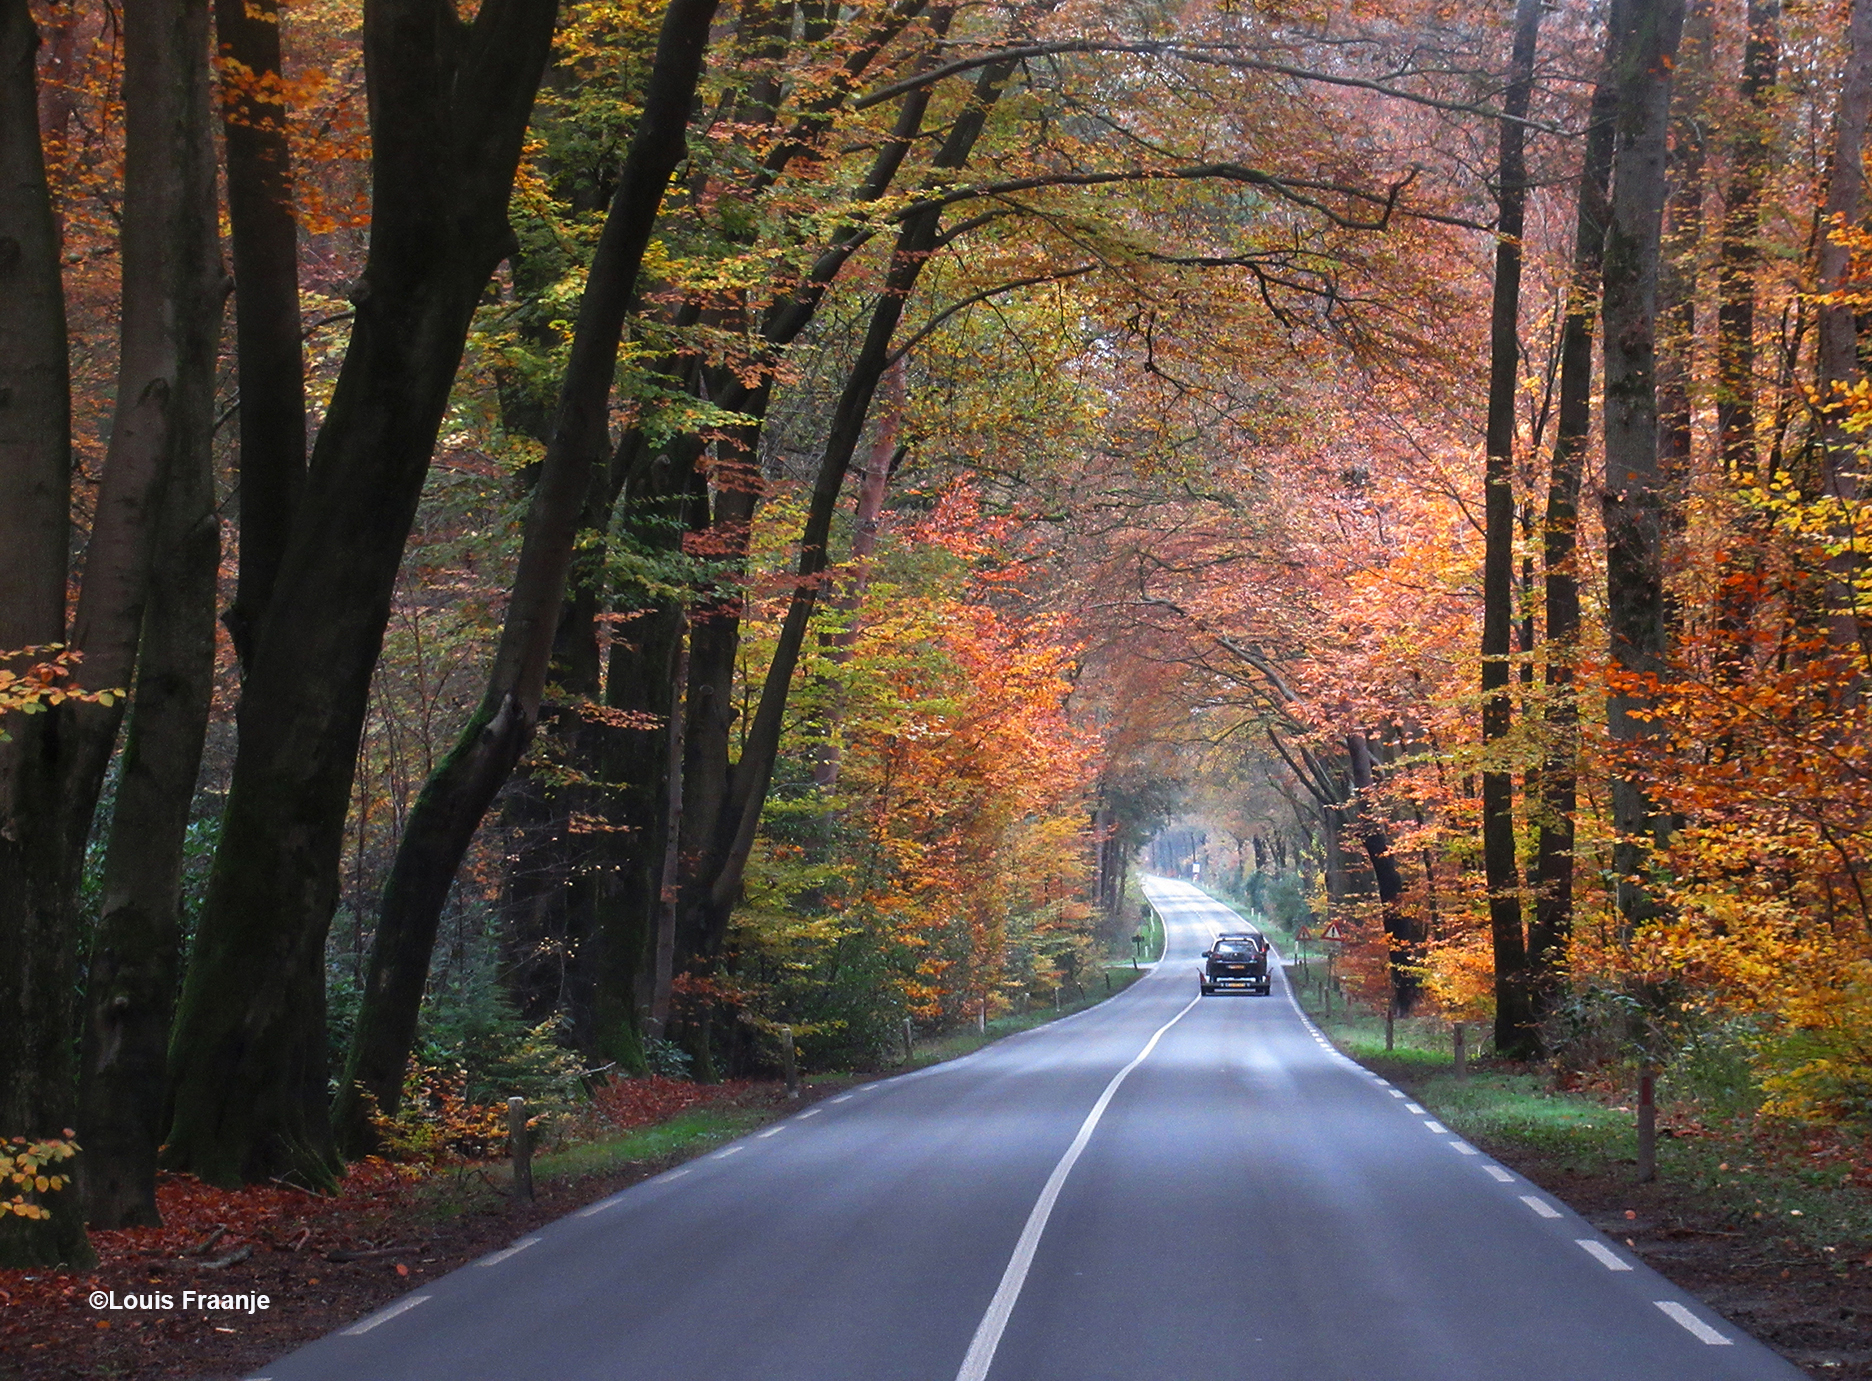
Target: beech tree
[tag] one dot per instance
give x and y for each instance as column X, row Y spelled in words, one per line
column 449, row 107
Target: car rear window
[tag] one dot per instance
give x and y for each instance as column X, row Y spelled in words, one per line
column 1235, row 947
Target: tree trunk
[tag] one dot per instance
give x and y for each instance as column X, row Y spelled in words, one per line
column 1552, row 927
column 37, row 947
column 1402, row 935
column 1514, row 1033
column 1741, row 246
column 449, row 105
column 1633, row 500
column 1677, row 281
column 269, row 358
column 1837, row 351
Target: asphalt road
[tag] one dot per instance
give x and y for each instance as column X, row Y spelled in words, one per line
column 1158, row 1189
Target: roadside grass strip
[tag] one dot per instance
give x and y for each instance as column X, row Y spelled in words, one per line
column 402, row 1306
column 1691, row 1324
column 1603, row 1254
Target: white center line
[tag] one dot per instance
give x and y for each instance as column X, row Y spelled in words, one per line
column 402, row 1306
column 1603, row 1254
column 1540, row 1206
column 1414, row 1108
column 1436, row 1126
column 994, row 1323
column 1701, row 1331
column 496, row 1258
column 1498, row 1173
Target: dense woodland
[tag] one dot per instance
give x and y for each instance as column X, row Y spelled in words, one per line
column 543, row 539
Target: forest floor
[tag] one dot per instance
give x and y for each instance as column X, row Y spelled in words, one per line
column 1770, row 1226
column 324, row 1261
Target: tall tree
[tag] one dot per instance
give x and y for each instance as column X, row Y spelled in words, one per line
column 1549, row 931
column 135, row 953
column 446, row 815
column 449, row 103
column 1514, row 1026
column 154, row 505
column 1740, row 254
column 1634, row 495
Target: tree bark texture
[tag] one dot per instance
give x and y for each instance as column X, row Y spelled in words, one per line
column 449, row 105
column 1514, row 1032
column 1634, row 496
column 1552, row 925
column 269, row 356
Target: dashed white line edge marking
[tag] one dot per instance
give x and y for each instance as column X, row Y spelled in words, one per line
column 1416, row 1108
column 810, row 1112
column 1697, row 1329
column 727, row 1151
column 601, row 1206
column 771, row 1131
column 1397, row 1093
column 1603, row 1254
column 1465, row 1148
column 994, row 1323
column 841, row 1098
column 1436, row 1126
column 402, row 1306
column 1540, row 1205
column 495, row 1258
column 1498, row 1173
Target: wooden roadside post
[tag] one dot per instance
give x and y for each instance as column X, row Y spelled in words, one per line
column 519, row 1142
column 1647, row 1124
column 1462, row 1053
column 788, row 1062
column 909, row 1041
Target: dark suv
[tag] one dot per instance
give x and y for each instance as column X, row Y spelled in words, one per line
column 1236, row 962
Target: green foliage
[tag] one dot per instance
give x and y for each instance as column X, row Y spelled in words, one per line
column 473, row 1027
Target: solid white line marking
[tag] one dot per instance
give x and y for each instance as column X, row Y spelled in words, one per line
column 402, row 1306
column 496, row 1258
column 1540, row 1206
column 1465, row 1148
column 1414, row 1108
column 994, row 1323
column 1699, row 1330
column 1601, row 1253
column 730, row 1151
column 1499, row 1173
